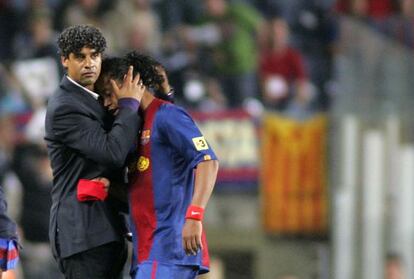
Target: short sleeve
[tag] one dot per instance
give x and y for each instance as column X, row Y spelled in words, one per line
column 181, row 132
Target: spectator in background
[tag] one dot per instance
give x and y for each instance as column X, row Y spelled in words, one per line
column 178, row 12
column 314, row 31
column 39, row 38
column 83, row 12
column 9, row 26
column 134, row 25
column 33, row 170
column 231, row 31
column 401, row 27
column 12, row 99
column 282, row 72
column 394, row 267
column 204, row 93
column 407, row 8
column 215, row 99
column 301, row 107
column 32, row 167
column 8, row 136
column 373, row 9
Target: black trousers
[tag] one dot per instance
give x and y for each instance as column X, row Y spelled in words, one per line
column 102, row 262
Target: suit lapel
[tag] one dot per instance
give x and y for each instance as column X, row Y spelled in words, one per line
column 85, row 98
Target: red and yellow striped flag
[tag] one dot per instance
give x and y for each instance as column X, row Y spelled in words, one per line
column 293, row 174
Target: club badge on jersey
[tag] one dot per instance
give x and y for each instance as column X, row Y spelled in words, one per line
column 143, row 163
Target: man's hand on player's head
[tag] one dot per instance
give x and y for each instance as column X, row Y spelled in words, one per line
column 192, row 231
column 130, row 88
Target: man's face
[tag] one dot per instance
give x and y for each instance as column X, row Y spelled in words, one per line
column 216, row 8
column 83, row 67
column 104, row 88
column 280, row 32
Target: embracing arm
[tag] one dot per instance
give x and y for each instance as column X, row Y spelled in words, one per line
column 74, row 127
column 80, row 132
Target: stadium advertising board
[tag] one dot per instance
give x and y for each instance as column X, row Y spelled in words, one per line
column 233, row 136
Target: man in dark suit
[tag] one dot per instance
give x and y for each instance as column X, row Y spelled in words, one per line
column 85, row 231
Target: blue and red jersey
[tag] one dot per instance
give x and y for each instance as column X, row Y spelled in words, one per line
column 162, row 184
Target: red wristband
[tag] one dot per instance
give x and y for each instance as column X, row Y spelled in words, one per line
column 195, row 213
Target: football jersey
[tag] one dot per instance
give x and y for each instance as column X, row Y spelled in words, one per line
column 162, row 184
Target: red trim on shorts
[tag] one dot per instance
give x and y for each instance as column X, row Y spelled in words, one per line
column 154, row 270
column 205, row 258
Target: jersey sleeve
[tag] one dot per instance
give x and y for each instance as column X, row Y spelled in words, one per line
column 181, row 132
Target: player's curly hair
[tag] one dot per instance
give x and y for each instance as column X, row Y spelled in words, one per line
column 74, row 38
column 117, row 67
column 114, row 67
column 146, row 66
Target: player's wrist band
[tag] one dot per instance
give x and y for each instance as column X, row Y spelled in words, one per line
column 195, row 212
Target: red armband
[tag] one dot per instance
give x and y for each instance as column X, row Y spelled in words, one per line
column 89, row 190
column 195, row 213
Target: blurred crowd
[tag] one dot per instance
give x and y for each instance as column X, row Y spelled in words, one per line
column 256, row 55
column 219, row 54
column 393, row 18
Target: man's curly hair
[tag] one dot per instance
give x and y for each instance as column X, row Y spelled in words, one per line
column 74, row 38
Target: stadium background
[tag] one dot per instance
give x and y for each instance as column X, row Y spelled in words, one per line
column 316, row 143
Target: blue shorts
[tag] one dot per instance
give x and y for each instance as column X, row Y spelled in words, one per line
column 157, row 270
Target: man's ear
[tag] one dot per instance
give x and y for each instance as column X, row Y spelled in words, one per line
column 64, row 61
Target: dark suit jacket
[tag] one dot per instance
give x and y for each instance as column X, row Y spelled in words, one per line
column 80, row 145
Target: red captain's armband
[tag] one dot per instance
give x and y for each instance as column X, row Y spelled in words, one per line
column 195, row 213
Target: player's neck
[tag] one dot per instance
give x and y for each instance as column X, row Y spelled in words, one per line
column 146, row 100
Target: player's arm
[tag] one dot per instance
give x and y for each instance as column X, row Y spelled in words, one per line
column 181, row 132
column 205, row 178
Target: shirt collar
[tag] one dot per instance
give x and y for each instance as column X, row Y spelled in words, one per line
column 94, row 95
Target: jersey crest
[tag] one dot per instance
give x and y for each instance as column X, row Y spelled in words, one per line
column 143, row 163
